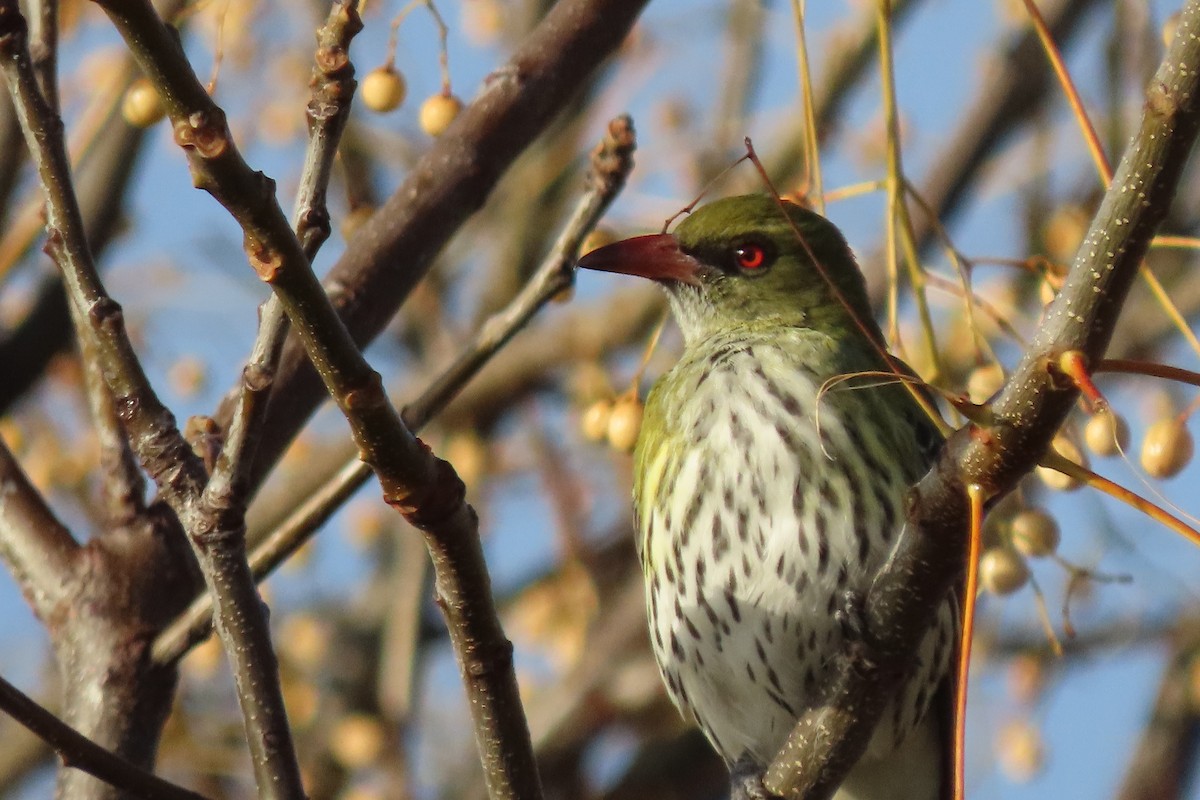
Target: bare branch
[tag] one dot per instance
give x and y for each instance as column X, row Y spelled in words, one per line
column 395, row 248
column 611, row 163
column 37, row 549
column 328, row 111
column 218, row 542
column 80, row 752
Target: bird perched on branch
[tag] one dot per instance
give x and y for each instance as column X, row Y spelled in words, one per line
column 764, row 502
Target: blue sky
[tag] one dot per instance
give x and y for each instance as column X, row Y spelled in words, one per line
column 190, row 251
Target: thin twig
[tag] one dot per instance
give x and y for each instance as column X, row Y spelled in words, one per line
column 1015, row 85
column 518, row 369
column 178, row 473
column 195, row 624
column 395, row 248
column 849, row 56
column 611, row 163
column 328, row 111
column 929, row 558
column 43, row 47
column 80, row 752
column 1163, row 764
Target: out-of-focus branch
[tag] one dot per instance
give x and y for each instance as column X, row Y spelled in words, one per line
column 583, row 334
column 994, row 453
column 611, row 163
column 37, row 549
column 178, row 473
column 100, row 186
column 521, row 367
column 43, row 47
column 428, row 492
column 1164, row 761
column 738, row 86
column 849, row 57
column 396, row 247
column 1012, row 88
column 80, row 752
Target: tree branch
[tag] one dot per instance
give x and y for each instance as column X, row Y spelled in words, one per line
column 38, row 550
column 1162, row 765
column 80, row 752
column 218, row 540
column 328, row 110
column 428, row 492
column 829, row 739
column 395, row 248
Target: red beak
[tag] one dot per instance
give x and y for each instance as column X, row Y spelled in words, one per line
column 656, row 257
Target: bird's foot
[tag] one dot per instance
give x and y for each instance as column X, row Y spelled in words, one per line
column 851, row 615
column 746, row 781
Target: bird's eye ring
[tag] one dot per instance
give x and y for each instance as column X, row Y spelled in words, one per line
column 751, row 257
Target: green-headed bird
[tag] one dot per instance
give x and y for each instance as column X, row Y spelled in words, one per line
column 764, row 505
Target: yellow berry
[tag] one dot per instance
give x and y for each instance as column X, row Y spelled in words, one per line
column 438, row 112
column 1106, row 433
column 589, row 383
column 355, row 219
column 204, row 659
column 187, row 376
column 483, row 21
column 1002, row 571
column 142, row 107
column 1034, row 533
column 1026, row 677
column 1167, row 448
column 1019, row 750
column 304, row 640
column 357, row 740
column 625, row 423
column 383, row 89
column 302, row 701
column 597, row 238
column 365, row 523
column 1170, row 24
column 1058, row 480
column 469, row 455
column 595, row 420
column 984, row 382
column 1065, row 231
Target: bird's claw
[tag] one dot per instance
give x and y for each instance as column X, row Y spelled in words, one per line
column 746, row 781
column 851, row 615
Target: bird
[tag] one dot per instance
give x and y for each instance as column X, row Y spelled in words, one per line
column 766, row 501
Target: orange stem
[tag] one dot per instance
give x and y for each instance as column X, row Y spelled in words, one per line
column 1152, row 510
column 1149, row 369
column 975, row 493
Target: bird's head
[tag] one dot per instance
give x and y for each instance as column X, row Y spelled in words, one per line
column 746, row 262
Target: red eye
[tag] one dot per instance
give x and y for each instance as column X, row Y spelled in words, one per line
column 750, row 257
